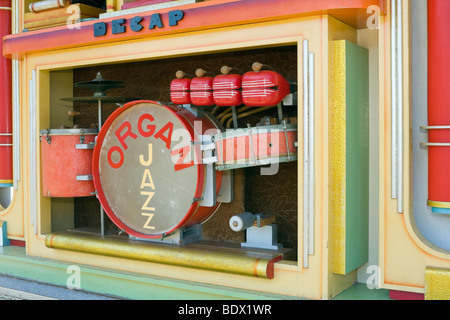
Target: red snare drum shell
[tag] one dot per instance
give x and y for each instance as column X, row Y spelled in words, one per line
column 62, row 162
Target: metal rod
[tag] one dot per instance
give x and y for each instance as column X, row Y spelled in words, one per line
column 394, row 154
column 400, row 107
column 435, row 144
column 311, row 154
column 305, row 156
column 102, row 213
column 16, row 123
column 99, row 114
column 33, row 168
column 280, row 112
column 233, row 111
column 16, row 14
column 434, row 127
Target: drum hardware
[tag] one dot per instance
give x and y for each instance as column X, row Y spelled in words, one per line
column 84, row 177
column 48, row 138
column 250, row 138
column 210, row 194
column 248, row 113
column 84, row 146
column 179, row 237
column 261, row 230
column 286, row 137
column 233, row 112
column 280, row 112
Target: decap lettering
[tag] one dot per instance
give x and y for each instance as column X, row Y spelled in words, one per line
column 137, row 23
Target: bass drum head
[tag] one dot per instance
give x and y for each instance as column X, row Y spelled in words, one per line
column 146, row 171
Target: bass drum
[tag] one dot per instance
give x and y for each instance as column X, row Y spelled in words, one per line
column 148, row 171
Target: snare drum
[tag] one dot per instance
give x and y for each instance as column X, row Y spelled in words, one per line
column 67, row 162
column 240, row 148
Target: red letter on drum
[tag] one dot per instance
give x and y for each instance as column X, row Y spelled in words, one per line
column 127, row 133
column 111, row 163
column 150, row 127
column 167, row 139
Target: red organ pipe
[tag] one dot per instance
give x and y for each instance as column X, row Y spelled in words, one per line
column 6, row 168
column 439, row 105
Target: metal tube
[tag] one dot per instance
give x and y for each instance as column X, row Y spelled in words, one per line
column 400, row 107
column 305, row 156
column 311, row 154
column 16, row 14
column 102, row 212
column 394, row 160
column 122, row 247
column 33, row 138
column 434, row 127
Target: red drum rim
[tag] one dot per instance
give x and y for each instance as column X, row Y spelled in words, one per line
column 97, row 176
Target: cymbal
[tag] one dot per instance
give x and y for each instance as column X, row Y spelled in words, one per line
column 98, row 80
column 101, row 98
column 99, row 84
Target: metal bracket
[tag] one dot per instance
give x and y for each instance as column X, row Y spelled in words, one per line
column 48, row 138
column 85, row 146
column 84, row 177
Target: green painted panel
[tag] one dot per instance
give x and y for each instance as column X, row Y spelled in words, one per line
column 357, row 156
